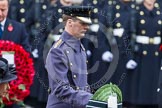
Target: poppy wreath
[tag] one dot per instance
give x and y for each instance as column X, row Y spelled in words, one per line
column 19, row 88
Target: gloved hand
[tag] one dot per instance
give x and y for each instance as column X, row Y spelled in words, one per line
column 107, row 56
column 35, row 53
column 131, row 64
column 94, row 27
column 118, row 32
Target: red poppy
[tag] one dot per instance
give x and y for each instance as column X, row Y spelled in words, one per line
column 160, row 48
column 10, row 27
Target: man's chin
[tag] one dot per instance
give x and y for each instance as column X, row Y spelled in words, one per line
column 81, row 36
column 1, row 19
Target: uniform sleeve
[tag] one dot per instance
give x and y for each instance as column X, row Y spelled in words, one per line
column 57, row 67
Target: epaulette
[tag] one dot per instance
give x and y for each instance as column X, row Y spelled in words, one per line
column 58, row 43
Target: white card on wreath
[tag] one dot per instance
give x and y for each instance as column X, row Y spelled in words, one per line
column 9, row 55
column 112, row 101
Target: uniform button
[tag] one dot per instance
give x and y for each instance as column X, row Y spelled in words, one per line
column 61, row 30
column 110, row 2
column 86, row 73
column 67, row 52
column 158, row 12
column 95, row 10
column 117, row 7
column 159, row 22
column 158, row 32
column 118, row 25
column 21, row 1
column 137, row 7
column 94, row 1
column 77, row 88
column 44, row 7
column 37, row 25
column 133, row 6
column 22, row 20
column 156, row 53
column 74, row 76
column 156, row 5
column 143, row 31
column 151, row 40
column 144, row 52
column 71, row 64
column 142, row 21
column 59, row 10
column 22, row 10
column 141, row 13
column 161, row 68
column 158, row 90
column 60, row 20
column 117, row 15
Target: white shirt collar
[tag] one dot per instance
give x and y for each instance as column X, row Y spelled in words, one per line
column 3, row 23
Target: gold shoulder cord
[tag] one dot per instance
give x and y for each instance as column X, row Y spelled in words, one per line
column 57, row 43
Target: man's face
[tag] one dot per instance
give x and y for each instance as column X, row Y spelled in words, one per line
column 149, row 2
column 79, row 28
column 66, row 2
column 4, row 87
column 126, row 1
column 3, row 9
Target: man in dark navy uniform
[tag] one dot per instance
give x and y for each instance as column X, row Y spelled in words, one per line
column 12, row 30
column 115, row 25
column 66, row 62
column 18, row 9
column 37, row 30
column 144, row 90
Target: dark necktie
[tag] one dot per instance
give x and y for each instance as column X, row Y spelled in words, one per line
column 1, row 31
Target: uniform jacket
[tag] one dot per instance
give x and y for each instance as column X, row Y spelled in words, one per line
column 18, row 34
column 67, row 71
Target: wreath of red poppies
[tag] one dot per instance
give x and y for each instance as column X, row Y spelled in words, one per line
column 19, row 88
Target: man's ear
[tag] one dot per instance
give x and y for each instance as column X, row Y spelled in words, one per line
column 69, row 22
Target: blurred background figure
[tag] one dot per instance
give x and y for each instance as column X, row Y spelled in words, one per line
column 113, row 24
column 18, row 9
column 36, row 27
column 143, row 82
